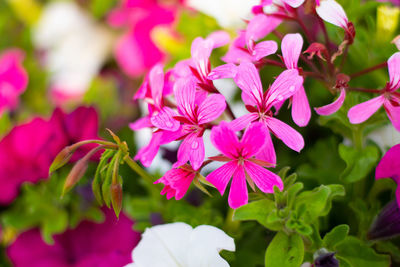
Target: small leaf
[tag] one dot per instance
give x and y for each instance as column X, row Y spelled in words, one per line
column 257, row 210
column 106, row 186
column 97, row 181
column 335, row 236
column 358, row 163
column 285, row 251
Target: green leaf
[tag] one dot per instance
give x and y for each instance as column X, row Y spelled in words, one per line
column 256, row 210
column 97, row 181
column 335, row 236
column 359, row 163
column 106, row 186
column 285, row 251
column 314, row 201
column 358, row 254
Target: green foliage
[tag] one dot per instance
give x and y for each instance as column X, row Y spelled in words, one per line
column 335, row 236
column 359, row 162
column 285, row 250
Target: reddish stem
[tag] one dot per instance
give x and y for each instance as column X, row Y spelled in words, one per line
column 365, row 90
column 376, row 67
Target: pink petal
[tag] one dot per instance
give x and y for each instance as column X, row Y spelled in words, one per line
column 254, row 139
column 263, row 178
column 361, row 112
column 237, row 55
column 332, row 107
column 225, row 140
column 238, row 195
column 12, row 71
column 242, row 122
column 219, row 38
column 163, row 119
column 287, row 134
column 268, row 153
column 332, row 12
column 285, row 85
column 201, row 51
column 259, row 27
column 221, row 176
column 291, row 49
column 146, row 154
column 248, row 79
column 393, row 113
column 389, row 166
column 294, row 3
column 185, row 93
column 301, row 112
column 191, row 149
column 394, row 70
column 222, row 72
column 264, row 49
column 211, row 108
column 141, row 92
column 156, row 81
column 141, row 123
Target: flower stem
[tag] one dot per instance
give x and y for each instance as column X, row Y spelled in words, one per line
column 135, row 167
column 376, row 67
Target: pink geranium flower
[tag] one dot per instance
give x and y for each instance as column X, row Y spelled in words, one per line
column 291, row 50
column 389, row 98
column 389, row 167
column 13, row 78
column 136, row 52
column 196, row 111
column 177, row 181
column 259, row 103
column 90, row 244
column 242, row 162
column 292, row 3
column 28, row 150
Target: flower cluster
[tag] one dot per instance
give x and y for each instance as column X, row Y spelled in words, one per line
column 184, row 103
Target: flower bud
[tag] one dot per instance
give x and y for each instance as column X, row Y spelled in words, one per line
column 387, row 224
column 323, row 258
column 116, row 195
column 61, row 159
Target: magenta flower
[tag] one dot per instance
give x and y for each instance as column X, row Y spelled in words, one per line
column 90, row 244
column 177, row 181
column 332, row 107
column 259, row 103
column 152, row 90
column 196, row 110
column 292, row 3
column 389, row 167
column 389, row 98
column 291, row 50
column 13, row 78
column 242, row 163
column 27, row 152
column 135, row 52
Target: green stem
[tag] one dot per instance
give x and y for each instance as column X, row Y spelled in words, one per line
column 135, row 167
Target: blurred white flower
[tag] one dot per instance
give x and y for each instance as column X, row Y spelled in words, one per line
column 75, row 47
column 385, row 137
column 228, row 13
column 179, row 245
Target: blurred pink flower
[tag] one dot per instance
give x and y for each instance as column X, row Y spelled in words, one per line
column 389, row 167
column 177, row 181
column 28, row 150
column 135, row 52
column 90, row 244
column 241, row 163
column 13, row 78
column 389, row 98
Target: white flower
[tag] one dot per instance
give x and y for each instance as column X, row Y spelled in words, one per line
column 228, row 13
column 75, row 47
column 179, row 245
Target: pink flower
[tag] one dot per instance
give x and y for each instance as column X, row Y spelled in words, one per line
column 135, row 52
column 28, row 150
column 13, row 78
column 389, row 167
column 389, row 98
column 241, row 163
column 244, row 48
column 332, row 107
column 90, row 244
column 196, row 110
column 259, row 103
column 177, row 181
column 292, row 3
column 291, row 50
column 152, row 90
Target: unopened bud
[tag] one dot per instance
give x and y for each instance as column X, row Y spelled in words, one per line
column 324, row 258
column 76, row 174
column 387, row 223
column 61, row 159
column 116, row 195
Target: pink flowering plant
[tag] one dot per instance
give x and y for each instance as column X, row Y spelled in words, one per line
column 276, row 121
